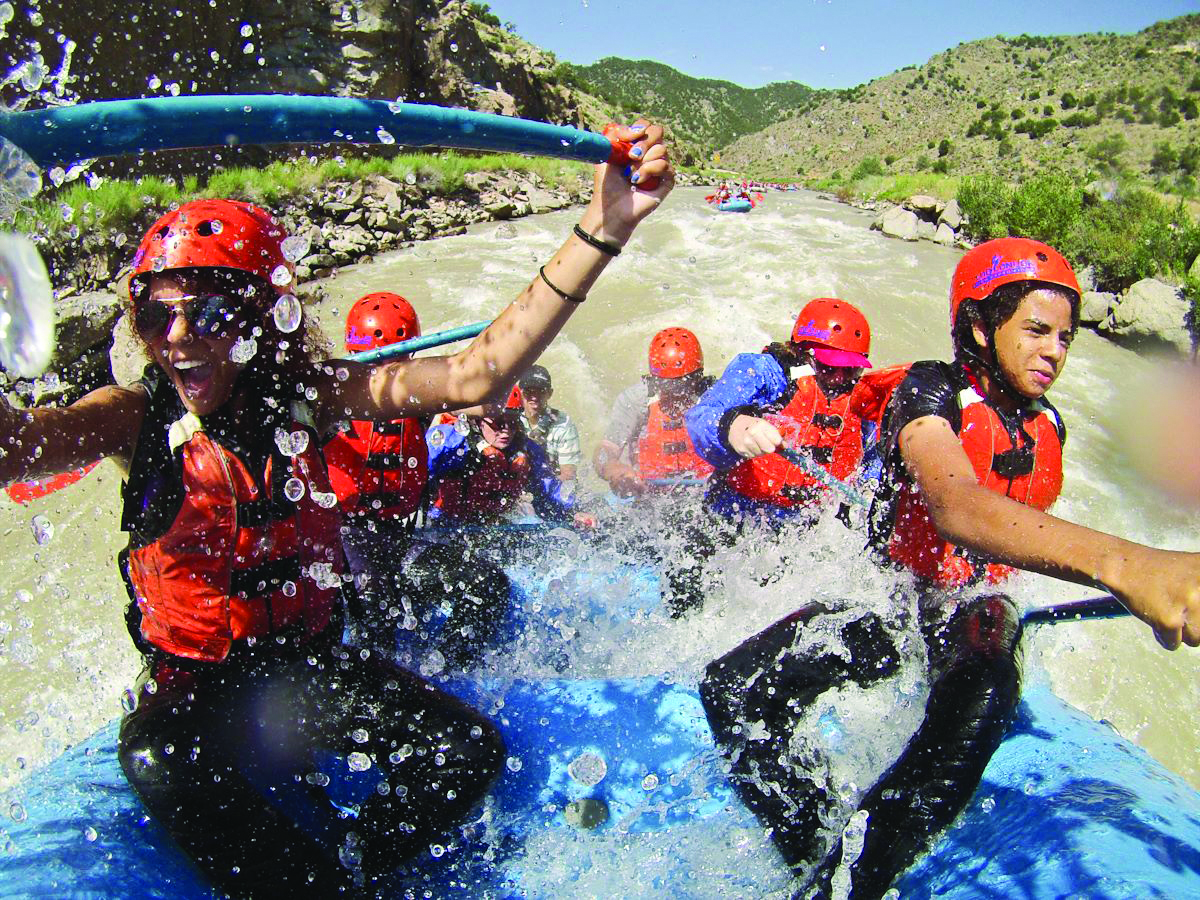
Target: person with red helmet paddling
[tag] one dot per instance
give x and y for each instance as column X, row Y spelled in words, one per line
column 972, row 461
column 482, row 464
column 645, row 441
column 380, row 473
column 797, row 396
column 235, row 564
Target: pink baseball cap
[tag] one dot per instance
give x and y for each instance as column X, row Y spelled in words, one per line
column 841, row 358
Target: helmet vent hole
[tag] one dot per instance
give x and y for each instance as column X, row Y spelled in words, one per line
column 205, row 229
column 1042, row 256
column 162, row 233
column 837, row 327
column 378, row 332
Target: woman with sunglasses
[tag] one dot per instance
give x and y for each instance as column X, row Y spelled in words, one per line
column 235, row 563
column 972, row 459
column 481, row 465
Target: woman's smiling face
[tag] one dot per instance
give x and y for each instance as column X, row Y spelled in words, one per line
column 196, row 354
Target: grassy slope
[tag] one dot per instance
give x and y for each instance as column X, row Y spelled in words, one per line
column 703, row 114
column 908, row 113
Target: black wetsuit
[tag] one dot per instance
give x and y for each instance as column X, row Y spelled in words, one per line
column 974, row 677
column 211, row 748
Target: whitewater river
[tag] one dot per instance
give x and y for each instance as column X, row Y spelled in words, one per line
column 738, row 282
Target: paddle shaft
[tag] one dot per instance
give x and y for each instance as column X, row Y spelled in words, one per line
column 1105, row 606
column 813, row 469
column 424, row 342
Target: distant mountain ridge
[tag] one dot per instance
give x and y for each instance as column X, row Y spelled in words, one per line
column 704, row 114
column 1098, row 101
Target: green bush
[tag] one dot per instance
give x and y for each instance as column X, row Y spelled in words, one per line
column 1133, row 236
column 868, row 166
column 1046, row 208
column 985, row 200
column 1106, row 152
column 1165, row 159
column 945, row 147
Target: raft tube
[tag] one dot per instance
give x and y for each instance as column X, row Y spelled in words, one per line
column 1066, row 805
column 740, row 204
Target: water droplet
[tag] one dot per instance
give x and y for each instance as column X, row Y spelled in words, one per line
column 318, row 778
column 154, row 82
column 513, row 763
column 43, row 530
column 412, row 462
column 461, row 425
column 436, row 438
column 68, row 212
column 432, row 664
column 243, row 350
column 650, row 782
column 476, row 731
column 436, row 850
column 288, row 312
column 341, row 373
column 57, row 176
column 214, row 55
column 987, row 804
column 325, row 499
column 16, row 811
column 399, row 756
column 453, row 47
column 295, row 247
column 158, row 263
column 293, row 489
column 281, row 275
column 129, row 700
column 299, row 442
column 588, row 769
column 247, row 29
column 358, row 762
column 360, row 735
column 248, row 48
column 89, row 834
column 289, row 589
column 410, row 178
column 310, row 393
column 385, row 136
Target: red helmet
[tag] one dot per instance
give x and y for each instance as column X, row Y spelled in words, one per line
column 1003, row 261
column 838, row 330
column 516, row 400
column 224, row 234
column 379, row 319
column 674, row 353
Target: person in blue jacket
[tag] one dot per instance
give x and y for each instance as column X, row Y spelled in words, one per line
column 798, row 395
column 481, row 467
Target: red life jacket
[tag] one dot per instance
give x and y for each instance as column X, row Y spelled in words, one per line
column 997, row 461
column 379, row 468
column 238, row 560
column 482, row 496
column 665, row 450
column 826, row 430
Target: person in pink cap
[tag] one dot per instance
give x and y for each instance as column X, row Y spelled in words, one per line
column 797, row 396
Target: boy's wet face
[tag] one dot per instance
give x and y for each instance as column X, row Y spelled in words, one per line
column 499, row 431
column 1031, row 346
column 835, row 379
column 195, row 354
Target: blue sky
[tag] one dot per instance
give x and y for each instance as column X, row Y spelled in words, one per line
column 821, row 43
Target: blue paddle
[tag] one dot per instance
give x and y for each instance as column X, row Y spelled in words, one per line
column 67, row 134
column 1105, row 606
column 424, row 342
column 813, row 469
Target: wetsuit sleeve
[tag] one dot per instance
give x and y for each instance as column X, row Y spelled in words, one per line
column 628, row 415
column 751, row 382
column 550, row 501
column 449, row 452
column 927, row 390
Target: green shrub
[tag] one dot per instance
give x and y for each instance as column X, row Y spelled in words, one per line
column 1165, row 159
column 1046, row 208
column 985, row 200
column 941, row 165
column 1107, row 152
column 945, row 147
column 868, row 166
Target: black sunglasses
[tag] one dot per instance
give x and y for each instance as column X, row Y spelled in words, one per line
column 208, row 315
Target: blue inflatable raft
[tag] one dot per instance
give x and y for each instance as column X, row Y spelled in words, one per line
column 738, row 204
column 1066, row 807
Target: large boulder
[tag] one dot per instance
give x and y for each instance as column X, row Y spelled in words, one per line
column 925, row 206
column 951, row 214
column 1151, row 312
column 944, row 235
column 897, row 222
column 1095, row 306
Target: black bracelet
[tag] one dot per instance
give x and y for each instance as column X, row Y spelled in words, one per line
column 602, row 246
column 558, row 290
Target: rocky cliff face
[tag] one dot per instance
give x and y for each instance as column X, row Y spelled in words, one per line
column 435, row 51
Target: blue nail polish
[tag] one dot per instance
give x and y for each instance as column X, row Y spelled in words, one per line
column 628, row 170
column 636, row 178
column 638, row 127
column 636, row 151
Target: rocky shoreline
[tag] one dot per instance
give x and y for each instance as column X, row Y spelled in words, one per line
column 345, row 222
column 1151, row 314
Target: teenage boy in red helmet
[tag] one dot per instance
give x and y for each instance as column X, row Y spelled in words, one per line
column 972, row 459
column 796, row 395
column 380, row 472
column 646, row 439
column 483, row 464
column 235, row 564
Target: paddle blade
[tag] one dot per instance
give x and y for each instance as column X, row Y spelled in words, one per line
column 25, row 491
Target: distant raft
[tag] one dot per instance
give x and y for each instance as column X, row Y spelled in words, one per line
column 738, row 204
